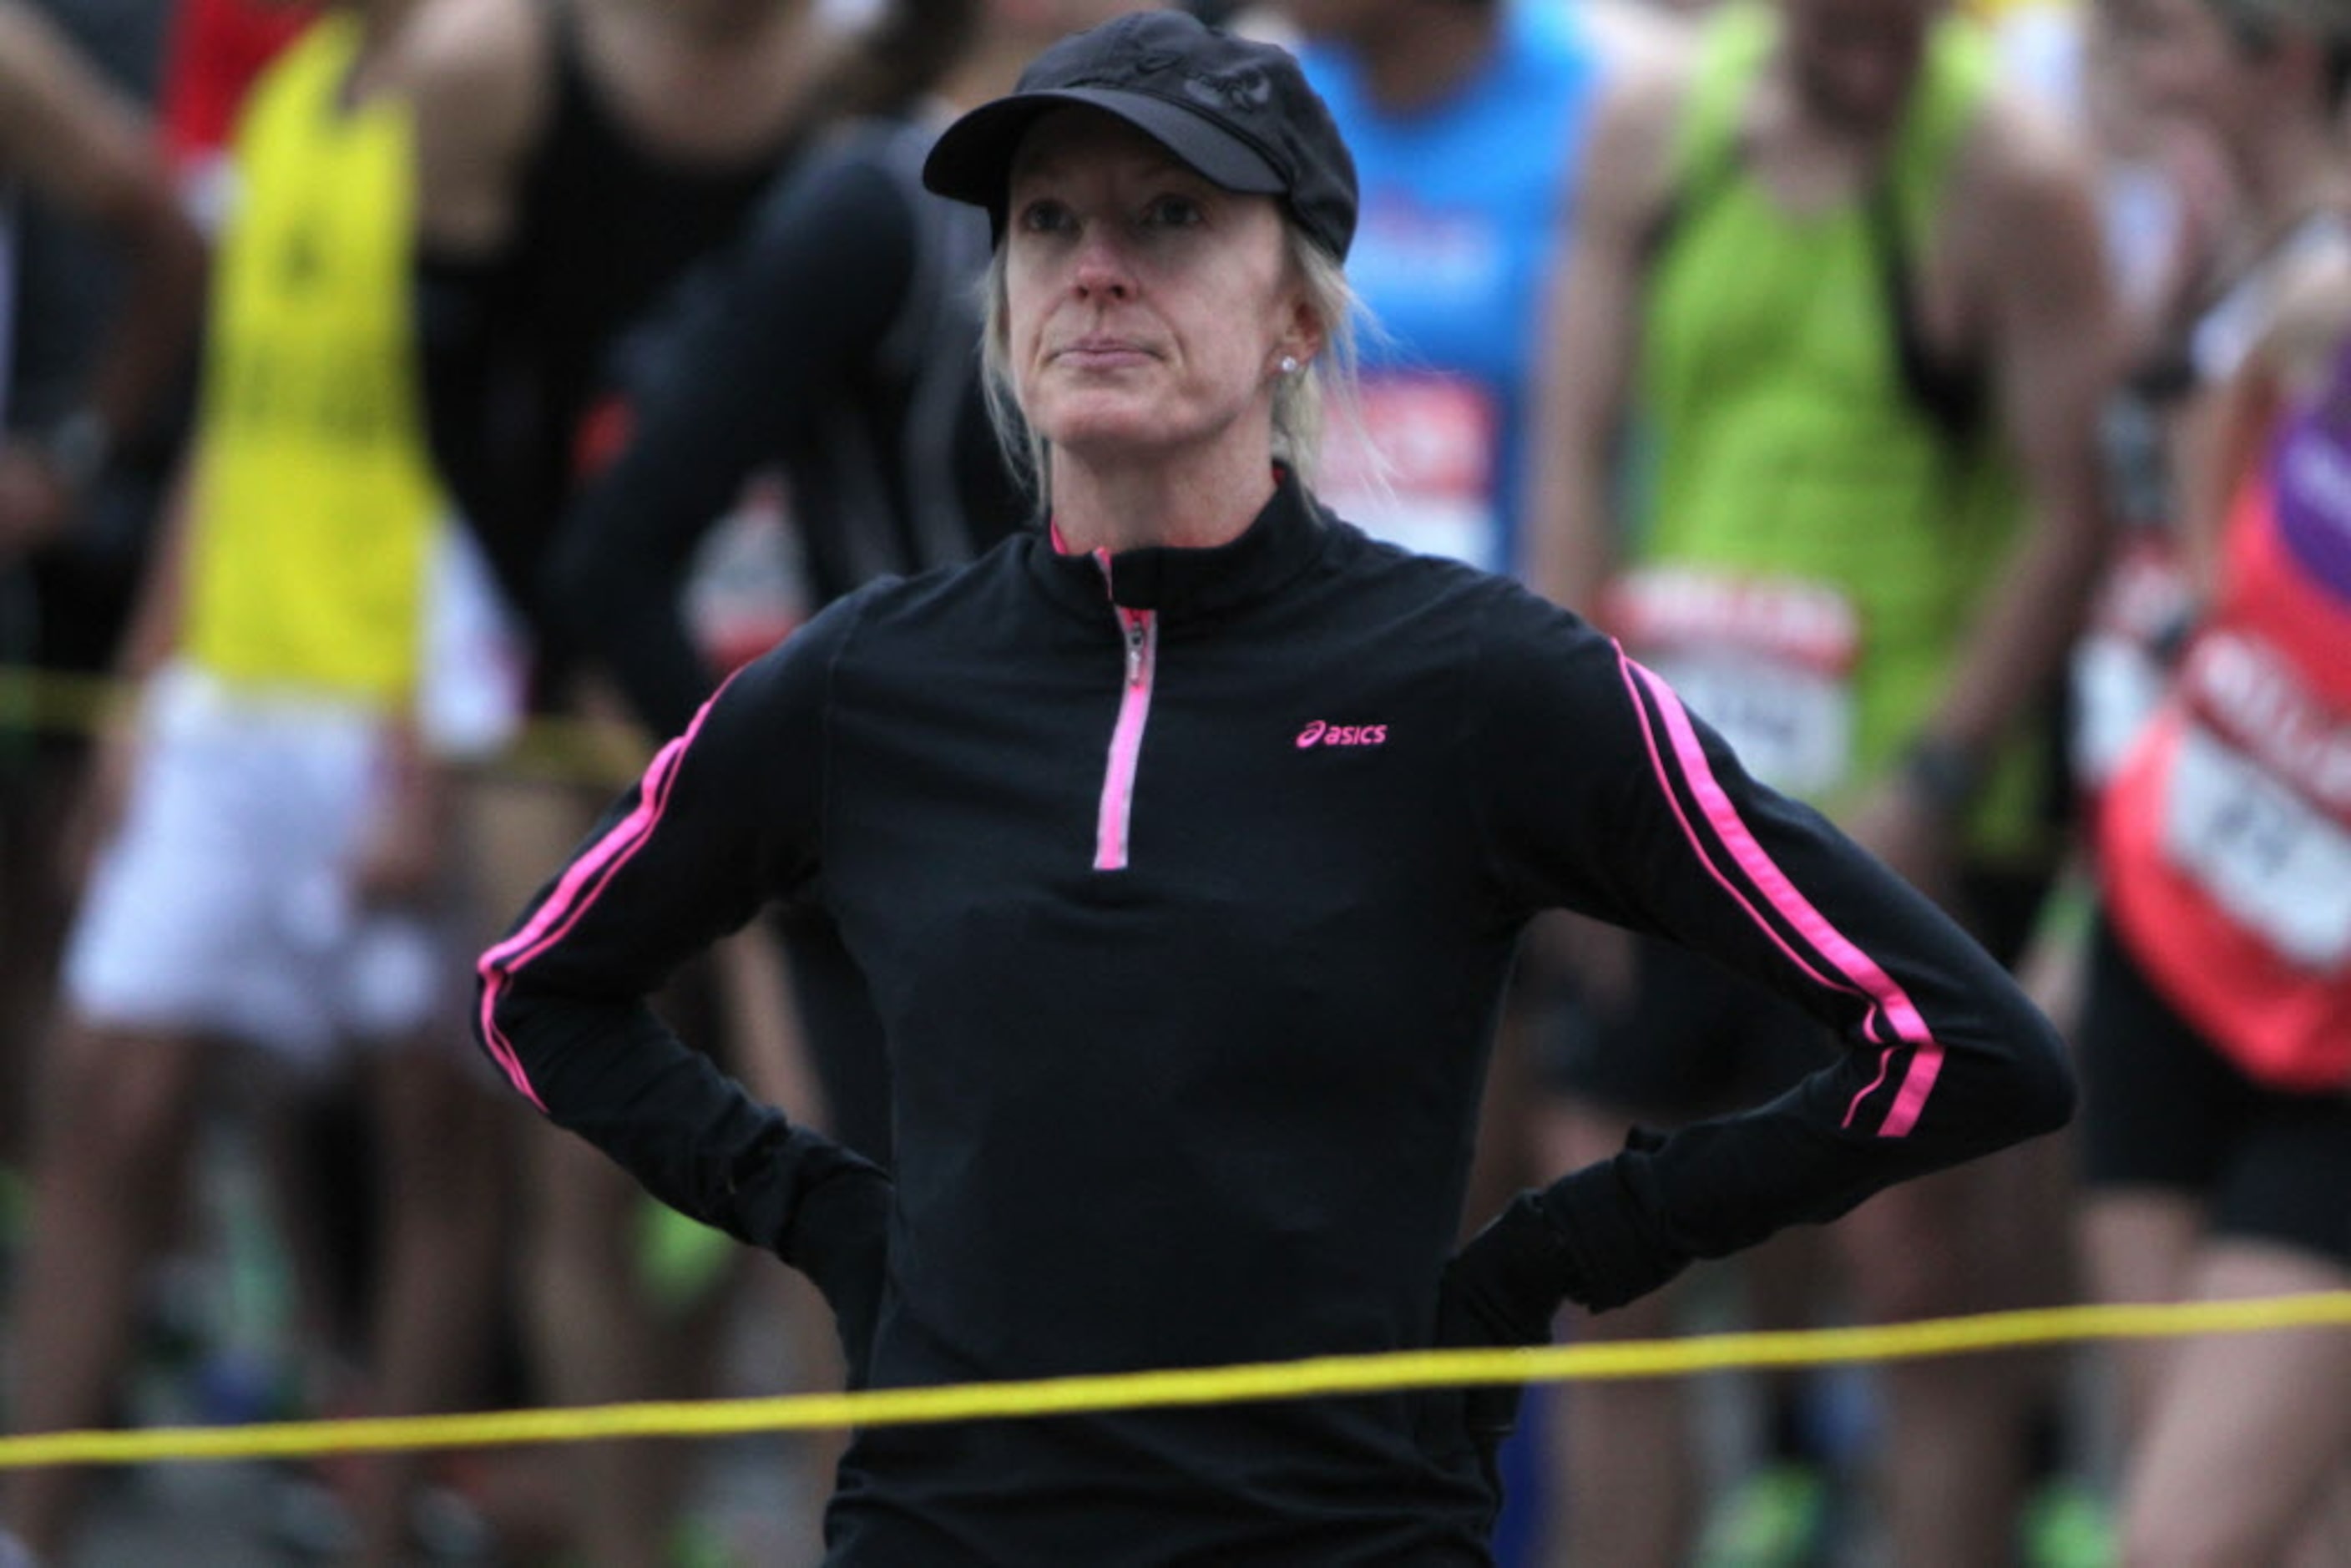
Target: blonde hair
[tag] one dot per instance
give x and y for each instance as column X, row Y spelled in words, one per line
column 1303, row 403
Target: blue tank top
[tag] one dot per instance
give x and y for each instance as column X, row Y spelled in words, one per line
column 1462, row 209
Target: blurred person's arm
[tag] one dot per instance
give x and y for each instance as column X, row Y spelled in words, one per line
column 2030, row 242
column 2203, row 468
column 2159, row 348
column 1591, row 335
column 2288, row 362
column 1585, row 376
column 150, row 635
column 78, row 144
column 405, row 846
column 822, row 278
column 2197, row 176
column 151, row 632
column 478, row 75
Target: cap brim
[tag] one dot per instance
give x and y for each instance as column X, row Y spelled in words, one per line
column 972, row 159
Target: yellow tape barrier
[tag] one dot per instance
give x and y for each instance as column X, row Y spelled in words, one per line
column 602, row 754
column 1203, row 1385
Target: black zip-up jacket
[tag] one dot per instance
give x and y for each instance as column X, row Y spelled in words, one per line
column 1187, row 883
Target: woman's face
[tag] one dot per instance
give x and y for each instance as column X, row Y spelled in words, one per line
column 1147, row 310
column 2183, row 62
column 1856, row 62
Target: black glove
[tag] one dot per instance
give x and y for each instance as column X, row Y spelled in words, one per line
column 1584, row 1239
column 1501, row 1290
column 1606, row 1240
column 840, row 1238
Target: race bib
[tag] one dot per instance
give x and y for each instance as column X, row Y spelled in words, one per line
column 1767, row 661
column 2274, row 863
column 744, row 591
column 1421, row 471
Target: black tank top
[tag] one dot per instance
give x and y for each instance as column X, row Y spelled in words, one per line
column 605, row 225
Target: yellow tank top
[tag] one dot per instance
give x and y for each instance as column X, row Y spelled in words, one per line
column 314, row 495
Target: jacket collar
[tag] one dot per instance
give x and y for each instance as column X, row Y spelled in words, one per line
column 1281, row 541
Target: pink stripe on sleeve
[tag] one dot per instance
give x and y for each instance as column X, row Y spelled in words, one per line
column 582, row 881
column 1860, row 974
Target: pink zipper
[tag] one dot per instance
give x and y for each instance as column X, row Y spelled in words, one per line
column 1140, row 630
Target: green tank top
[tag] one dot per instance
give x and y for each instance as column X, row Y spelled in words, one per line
column 1808, row 545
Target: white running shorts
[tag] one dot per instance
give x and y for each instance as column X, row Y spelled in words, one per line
column 223, row 905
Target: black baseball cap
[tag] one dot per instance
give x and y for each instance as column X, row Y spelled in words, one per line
column 1238, row 111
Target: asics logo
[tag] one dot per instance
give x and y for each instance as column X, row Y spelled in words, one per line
column 1320, row 733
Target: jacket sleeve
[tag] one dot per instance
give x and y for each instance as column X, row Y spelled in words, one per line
column 1603, row 793
column 726, row 816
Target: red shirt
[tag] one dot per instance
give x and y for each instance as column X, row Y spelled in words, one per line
column 2225, row 845
column 217, row 47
